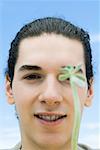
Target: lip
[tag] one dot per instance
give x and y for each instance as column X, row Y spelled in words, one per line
column 49, row 123
column 50, row 113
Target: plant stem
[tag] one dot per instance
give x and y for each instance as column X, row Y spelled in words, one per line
column 77, row 117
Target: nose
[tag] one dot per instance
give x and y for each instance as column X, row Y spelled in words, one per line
column 51, row 95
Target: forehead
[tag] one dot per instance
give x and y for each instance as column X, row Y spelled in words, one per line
column 51, row 50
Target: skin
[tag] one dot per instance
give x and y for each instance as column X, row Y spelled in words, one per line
column 49, row 52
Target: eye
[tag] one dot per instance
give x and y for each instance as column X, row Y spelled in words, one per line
column 33, row 77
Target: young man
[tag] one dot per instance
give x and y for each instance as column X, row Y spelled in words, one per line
column 45, row 104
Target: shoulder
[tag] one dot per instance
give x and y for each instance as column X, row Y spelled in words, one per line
column 83, row 147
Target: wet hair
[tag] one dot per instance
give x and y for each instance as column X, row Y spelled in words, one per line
column 50, row 25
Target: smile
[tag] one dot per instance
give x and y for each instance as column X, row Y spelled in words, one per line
column 50, row 119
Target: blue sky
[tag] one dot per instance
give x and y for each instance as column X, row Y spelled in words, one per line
column 13, row 15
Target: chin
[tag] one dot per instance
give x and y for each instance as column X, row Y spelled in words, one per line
column 53, row 141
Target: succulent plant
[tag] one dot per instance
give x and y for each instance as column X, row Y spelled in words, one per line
column 76, row 78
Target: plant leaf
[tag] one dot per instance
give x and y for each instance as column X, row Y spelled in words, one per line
column 78, row 81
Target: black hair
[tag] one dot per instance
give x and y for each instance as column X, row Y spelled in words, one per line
column 51, row 25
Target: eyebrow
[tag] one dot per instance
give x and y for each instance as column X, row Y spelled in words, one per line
column 30, row 67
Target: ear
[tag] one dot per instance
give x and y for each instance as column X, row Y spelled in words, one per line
column 9, row 92
column 90, row 94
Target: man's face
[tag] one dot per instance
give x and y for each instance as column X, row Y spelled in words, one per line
column 44, row 104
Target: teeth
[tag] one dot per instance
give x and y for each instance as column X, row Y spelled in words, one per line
column 49, row 117
column 53, row 117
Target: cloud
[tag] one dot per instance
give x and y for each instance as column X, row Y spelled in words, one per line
column 95, row 38
column 9, row 137
column 90, row 134
column 91, row 126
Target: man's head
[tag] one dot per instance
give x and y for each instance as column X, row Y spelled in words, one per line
column 51, row 25
column 36, row 55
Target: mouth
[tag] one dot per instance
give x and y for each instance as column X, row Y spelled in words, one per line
column 50, row 118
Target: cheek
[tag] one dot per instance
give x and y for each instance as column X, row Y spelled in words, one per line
column 24, row 93
column 24, row 97
column 82, row 96
column 69, row 99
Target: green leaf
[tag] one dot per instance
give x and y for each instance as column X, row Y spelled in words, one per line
column 78, row 68
column 77, row 81
column 63, row 77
